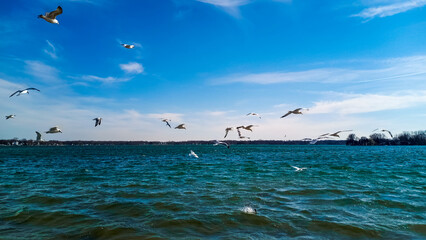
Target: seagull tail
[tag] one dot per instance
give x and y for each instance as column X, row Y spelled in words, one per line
column 40, row 16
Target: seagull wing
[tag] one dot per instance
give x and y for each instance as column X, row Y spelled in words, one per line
column 55, row 13
column 168, row 124
column 38, row 136
column 297, row 109
column 31, row 88
column 285, row 115
column 15, row 93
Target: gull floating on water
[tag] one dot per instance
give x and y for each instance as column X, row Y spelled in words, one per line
column 38, row 137
column 221, row 143
column 51, row 16
column 193, row 154
column 19, row 92
column 54, row 130
column 10, row 116
column 128, row 46
column 227, row 130
column 298, row 169
column 166, row 121
column 249, row 210
column 98, row 121
column 295, row 111
column 181, row 126
column 254, row 114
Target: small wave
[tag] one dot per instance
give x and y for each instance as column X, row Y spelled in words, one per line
column 343, row 229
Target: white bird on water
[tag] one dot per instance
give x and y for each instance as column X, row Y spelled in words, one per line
column 51, row 16
column 128, row 46
column 98, row 121
column 249, row 210
column 193, row 154
column 54, row 130
column 19, row 92
column 10, row 116
column 298, row 169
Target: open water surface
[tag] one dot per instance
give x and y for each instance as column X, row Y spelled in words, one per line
column 159, row 192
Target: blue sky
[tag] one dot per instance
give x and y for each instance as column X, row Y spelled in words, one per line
column 355, row 64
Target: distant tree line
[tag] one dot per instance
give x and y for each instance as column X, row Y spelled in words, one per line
column 405, row 138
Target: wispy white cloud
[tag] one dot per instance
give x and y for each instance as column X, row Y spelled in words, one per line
column 51, row 50
column 132, row 67
column 42, row 72
column 104, row 79
column 366, row 103
column 390, row 9
column 226, row 3
column 396, row 68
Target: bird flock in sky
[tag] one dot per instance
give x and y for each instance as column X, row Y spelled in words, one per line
column 51, row 18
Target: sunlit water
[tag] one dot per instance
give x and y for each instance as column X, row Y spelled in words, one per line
column 159, row 192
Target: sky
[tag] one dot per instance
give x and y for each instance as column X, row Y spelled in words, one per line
column 355, row 64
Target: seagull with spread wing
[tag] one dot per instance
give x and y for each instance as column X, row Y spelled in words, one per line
column 181, row 126
column 128, row 46
column 336, row 134
column 384, row 130
column 98, row 121
column 221, row 143
column 166, row 121
column 10, row 116
column 253, row 114
column 295, row 111
column 19, row 92
column 54, row 130
column 51, row 16
column 38, row 137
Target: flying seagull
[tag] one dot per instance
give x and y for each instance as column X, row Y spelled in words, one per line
column 336, row 134
column 128, row 46
column 248, row 128
column 38, row 137
column 51, row 16
column 19, row 92
column 254, row 114
column 166, row 121
column 298, row 169
column 54, row 130
column 227, row 130
column 384, row 130
column 295, row 111
column 193, row 154
column 98, row 121
column 10, row 116
column 221, row 143
column 181, row 126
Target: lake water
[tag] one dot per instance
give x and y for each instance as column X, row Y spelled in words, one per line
column 159, row 192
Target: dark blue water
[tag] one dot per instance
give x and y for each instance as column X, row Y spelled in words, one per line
column 159, row 192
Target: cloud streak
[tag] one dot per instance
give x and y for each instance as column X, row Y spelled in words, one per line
column 398, row 68
column 132, row 67
column 390, row 10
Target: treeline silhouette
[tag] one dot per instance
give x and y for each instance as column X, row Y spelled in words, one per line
column 405, row 138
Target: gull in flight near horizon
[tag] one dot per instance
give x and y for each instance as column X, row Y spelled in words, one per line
column 54, row 130
column 19, row 92
column 38, row 137
column 336, row 134
column 10, row 116
column 221, row 143
column 181, row 126
column 166, row 121
column 51, row 16
column 298, row 169
column 128, row 46
column 98, row 121
column 384, row 130
column 254, row 114
column 239, row 133
column 295, row 111
column 193, row 154
column 227, row 131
